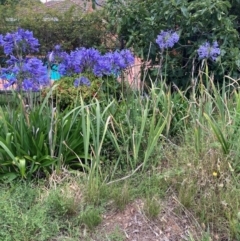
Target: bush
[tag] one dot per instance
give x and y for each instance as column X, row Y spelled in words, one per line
column 73, row 27
column 66, row 95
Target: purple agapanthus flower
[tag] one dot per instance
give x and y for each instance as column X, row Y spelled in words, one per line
column 27, row 84
column 22, row 73
column 128, row 57
column 21, row 40
column 79, row 60
column 82, row 81
column 27, row 73
column 103, row 65
column 167, row 39
column 113, row 63
column 34, row 68
column 90, row 60
column 209, row 51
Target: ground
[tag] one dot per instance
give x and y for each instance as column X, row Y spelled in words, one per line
column 132, row 224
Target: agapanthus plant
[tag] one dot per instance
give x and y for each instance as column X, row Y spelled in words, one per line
column 167, row 39
column 208, row 51
column 26, row 73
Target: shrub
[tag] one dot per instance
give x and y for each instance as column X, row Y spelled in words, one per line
column 73, row 27
column 66, row 95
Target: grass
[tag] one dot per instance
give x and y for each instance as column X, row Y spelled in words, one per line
column 152, row 208
column 44, row 213
column 63, row 207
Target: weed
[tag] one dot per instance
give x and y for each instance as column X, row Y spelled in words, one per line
column 152, row 208
column 152, row 183
column 63, row 202
column 121, row 196
column 95, row 191
column 187, row 193
column 91, row 217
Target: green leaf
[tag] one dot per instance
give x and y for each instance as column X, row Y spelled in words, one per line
column 21, row 164
column 9, row 177
column 6, row 149
column 184, row 11
column 218, row 133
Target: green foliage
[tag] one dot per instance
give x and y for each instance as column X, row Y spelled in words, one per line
column 139, row 22
column 71, row 28
column 91, row 217
column 66, row 95
column 63, row 202
column 136, row 126
column 2, row 2
column 22, row 218
column 24, row 146
column 121, row 196
column 116, row 235
column 39, row 141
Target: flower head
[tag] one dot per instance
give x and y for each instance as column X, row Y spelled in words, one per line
column 80, row 60
column 113, row 63
column 29, row 74
column 21, row 41
column 167, row 39
column 209, row 51
column 26, row 73
column 82, row 81
column 127, row 56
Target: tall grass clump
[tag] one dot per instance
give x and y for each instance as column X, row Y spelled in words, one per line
column 136, row 125
column 205, row 153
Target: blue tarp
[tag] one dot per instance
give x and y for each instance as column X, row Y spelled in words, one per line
column 54, row 74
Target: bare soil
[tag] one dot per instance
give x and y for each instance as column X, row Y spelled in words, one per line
column 174, row 223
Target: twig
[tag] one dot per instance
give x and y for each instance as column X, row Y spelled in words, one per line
column 123, row 178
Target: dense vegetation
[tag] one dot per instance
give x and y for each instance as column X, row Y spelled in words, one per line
column 70, row 150
column 138, row 22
